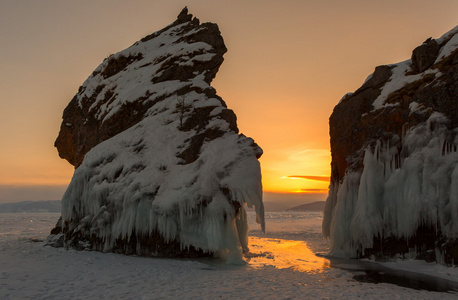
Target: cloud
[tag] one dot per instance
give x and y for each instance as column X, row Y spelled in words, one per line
column 315, row 152
column 314, row 190
column 316, row 178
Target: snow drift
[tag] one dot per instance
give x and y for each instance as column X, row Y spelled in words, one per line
column 161, row 169
column 394, row 181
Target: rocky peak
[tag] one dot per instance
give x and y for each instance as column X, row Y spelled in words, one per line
column 126, row 85
column 425, row 55
column 183, row 16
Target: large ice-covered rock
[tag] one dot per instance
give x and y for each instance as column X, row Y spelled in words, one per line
column 160, row 166
column 394, row 169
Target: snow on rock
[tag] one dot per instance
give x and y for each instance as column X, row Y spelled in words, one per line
column 182, row 58
column 161, row 169
column 394, row 166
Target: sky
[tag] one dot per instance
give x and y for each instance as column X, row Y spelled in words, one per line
column 288, row 64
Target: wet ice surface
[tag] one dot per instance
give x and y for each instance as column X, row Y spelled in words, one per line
column 370, row 272
column 276, row 269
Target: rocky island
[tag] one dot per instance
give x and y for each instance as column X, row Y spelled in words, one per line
column 160, row 166
column 394, row 169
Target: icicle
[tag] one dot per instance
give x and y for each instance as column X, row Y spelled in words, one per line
column 394, row 196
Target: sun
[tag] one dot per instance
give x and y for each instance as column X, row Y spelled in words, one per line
column 279, row 172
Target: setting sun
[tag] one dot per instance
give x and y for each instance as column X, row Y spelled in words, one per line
column 277, row 170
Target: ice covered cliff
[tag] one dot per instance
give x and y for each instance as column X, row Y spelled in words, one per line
column 394, row 169
column 161, row 168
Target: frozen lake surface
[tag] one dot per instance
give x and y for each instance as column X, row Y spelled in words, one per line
column 285, row 263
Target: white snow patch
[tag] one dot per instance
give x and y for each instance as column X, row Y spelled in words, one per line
column 448, row 48
column 397, row 81
column 447, row 35
column 416, row 107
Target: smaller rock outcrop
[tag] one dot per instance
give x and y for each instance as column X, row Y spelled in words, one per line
column 425, row 55
column 314, row 206
column 394, row 169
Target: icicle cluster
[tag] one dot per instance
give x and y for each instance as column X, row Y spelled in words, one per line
column 398, row 191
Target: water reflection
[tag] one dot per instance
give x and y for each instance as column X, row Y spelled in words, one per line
column 283, row 254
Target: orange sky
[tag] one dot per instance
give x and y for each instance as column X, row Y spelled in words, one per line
column 288, row 64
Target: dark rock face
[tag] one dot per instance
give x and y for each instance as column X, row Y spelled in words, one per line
column 160, row 168
column 377, row 134
column 85, row 125
column 356, row 117
column 424, row 55
column 343, row 123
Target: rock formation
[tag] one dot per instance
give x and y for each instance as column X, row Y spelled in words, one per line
column 394, row 169
column 126, row 85
column 160, row 168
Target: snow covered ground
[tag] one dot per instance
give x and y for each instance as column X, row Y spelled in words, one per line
column 281, row 265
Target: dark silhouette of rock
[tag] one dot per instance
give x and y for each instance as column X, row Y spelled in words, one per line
column 424, row 55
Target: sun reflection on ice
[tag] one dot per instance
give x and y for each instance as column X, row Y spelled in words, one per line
column 283, row 254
